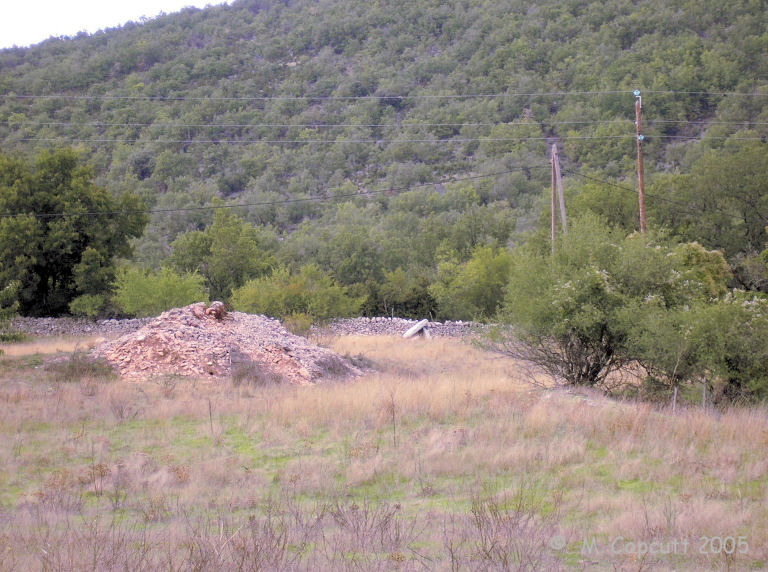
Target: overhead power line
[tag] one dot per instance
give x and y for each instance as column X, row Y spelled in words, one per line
column 367, row 141
column 372, row 97
column 308, row 125
column 318, row 141
column 360, row 193
column 705, row 122
column 308, row 97
column 397, row 124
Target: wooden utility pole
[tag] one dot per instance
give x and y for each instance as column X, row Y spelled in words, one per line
column 557, row 184
column 640, row 137
column 553, row 202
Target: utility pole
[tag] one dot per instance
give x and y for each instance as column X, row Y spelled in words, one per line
column 559, row 182
column 640, row 137
column 553, row 200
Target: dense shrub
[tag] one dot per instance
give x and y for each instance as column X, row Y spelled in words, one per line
column 144, row 293
column 281, row 294
column 604, row 300
column 473, row 290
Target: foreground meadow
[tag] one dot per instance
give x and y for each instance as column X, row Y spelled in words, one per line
column 441, row 457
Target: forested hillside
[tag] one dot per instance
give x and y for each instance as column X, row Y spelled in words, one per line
column 387, row 153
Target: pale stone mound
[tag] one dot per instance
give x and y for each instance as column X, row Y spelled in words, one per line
column 192, row 342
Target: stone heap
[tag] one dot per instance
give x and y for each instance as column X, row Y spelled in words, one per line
column 192, row 342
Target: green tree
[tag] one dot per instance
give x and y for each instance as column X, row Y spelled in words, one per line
column 143, row 293
column 722, row 202
column 400, row 294
column 473, row 290
column 227, row 254
column 620, row 207
column 731, row 335
column 53, row 243
column 8, row 308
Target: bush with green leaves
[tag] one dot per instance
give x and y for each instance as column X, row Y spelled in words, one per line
column 723, row 199
column 144, row 293
column 605, row 299
column 403, row 294
column 8, row 308
column 473, row 290
column 310, row 291
column 89, row 305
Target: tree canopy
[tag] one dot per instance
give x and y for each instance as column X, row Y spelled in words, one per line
column 53, row 245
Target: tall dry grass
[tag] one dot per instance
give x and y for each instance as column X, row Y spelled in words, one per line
column 440, row 457
column 50, row 345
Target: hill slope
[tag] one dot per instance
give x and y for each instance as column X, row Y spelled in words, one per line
column 285, row 105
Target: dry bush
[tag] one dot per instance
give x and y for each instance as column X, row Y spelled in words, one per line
column 168, row 385
column 514, row 534
column 61, row 492
column 155, row 508
column 79, row 366
column 85, row 542
column 367, row 530
column 122, row 404
column 244, row 369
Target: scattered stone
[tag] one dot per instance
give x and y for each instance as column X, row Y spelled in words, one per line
column 46, row 327
column 382, row 326
column 199, row 309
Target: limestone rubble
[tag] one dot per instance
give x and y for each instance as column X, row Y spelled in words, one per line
column 182, row 342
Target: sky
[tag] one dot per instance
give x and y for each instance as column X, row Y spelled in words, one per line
column 27, row 22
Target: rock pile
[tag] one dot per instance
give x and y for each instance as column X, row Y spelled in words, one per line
column 185, row 341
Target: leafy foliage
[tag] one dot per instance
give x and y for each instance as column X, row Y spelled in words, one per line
column 226, row 254
column 399, row 294
column 144, row 293
column 181, row 122
column 311, row 292
column 473, row 290
column 344, row 181
column 722, row 202
column 8, row 308
column 606, row 299
column 51, row 247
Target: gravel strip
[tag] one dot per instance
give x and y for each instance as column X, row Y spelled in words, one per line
column 47, row 327
column 44, row 327
column 398, row 326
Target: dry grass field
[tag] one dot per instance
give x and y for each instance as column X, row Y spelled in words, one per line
column 50, row 345
column 441, row 458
